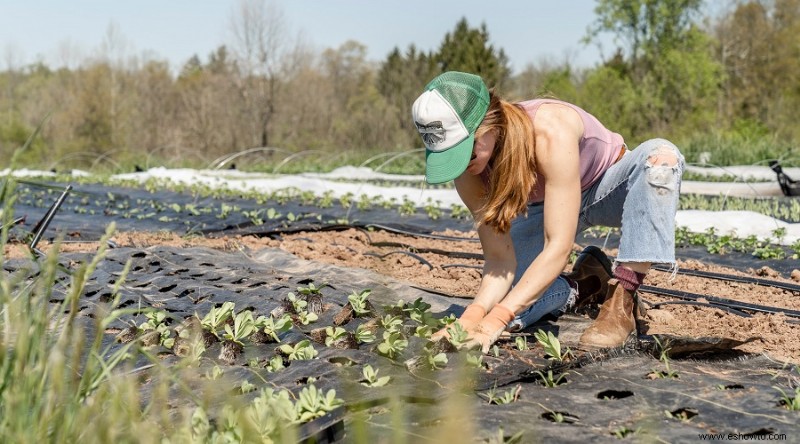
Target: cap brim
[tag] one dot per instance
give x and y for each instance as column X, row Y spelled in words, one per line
column 445, row 166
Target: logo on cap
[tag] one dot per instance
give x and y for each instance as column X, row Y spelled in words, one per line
column 431, row 133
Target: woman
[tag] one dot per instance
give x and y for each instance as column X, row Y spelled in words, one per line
column 534, row 174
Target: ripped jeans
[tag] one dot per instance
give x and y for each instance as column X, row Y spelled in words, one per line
column 634, row 194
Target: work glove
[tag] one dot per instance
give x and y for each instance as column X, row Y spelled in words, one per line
column 490, row 328
column 472, row 315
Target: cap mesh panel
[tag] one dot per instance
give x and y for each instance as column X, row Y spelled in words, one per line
column 466, row 93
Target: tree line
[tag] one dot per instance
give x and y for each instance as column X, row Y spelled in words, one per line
column 725, row 88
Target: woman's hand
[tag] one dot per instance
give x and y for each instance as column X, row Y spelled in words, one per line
column 490, row 328
column 469, row 320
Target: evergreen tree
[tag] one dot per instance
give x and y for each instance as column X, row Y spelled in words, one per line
column 468, row 49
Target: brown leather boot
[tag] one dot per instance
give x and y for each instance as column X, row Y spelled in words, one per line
column 591, row 271
column 614, row 322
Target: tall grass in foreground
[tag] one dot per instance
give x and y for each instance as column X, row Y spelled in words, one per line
column 60, row 383
column 63, row 380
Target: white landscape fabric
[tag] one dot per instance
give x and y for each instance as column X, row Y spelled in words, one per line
column 351, row 180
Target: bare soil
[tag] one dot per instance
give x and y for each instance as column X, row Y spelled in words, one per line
column 411, row 259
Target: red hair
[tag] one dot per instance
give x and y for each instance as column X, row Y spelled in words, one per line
column 513, row 169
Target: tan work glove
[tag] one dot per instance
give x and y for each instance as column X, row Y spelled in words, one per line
column 472, row 315
column 490, row 328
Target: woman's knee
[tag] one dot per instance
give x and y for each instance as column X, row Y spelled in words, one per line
column 664, row 166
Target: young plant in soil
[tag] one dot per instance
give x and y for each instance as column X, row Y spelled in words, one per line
column 458, row 337
column 268, row 328
column 790, row 402
column 664, row 357
column 275, row 364
column 233, row 345
column 430, row 359
column 507, row 397
column 297, row 306
column 303, row 350
column 391, row 323
column 550, row 380
column 155, row 330
column 393, row 344
column 214, row 320
column 357, row 307
column 551, row 345
column 371, row 378
column 313, row 403
column 364, row 334
column 313, row 296
column 337, row 337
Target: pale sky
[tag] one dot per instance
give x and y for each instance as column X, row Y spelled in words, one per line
column 67, row 31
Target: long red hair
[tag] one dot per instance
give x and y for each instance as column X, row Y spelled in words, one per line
column 513, row 169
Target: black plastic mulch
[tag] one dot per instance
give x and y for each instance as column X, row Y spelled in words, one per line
column 606, row 394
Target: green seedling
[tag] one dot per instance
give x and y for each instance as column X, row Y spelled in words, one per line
column 217, row 317
column 254, row 216
column 790, row 402
column 275, row 364
column 447, row 320
column 247, row 387
column 551, row 345
column 521, row 343
column 243, row 326
column 549, row 380
column 435, row 361
column 371, row 378
column 359, row 302
column 458, row 336
column 418, row 311
column 664, row 357
column 301, row 351
column 214, row 373
column 391, row 323
column 501, row 438
column 423, row 331
column 623, row 432
column 507, row 397
column 333, row 334
column 273, row 214
column 273, row 327
column 474, row 360
column 313, row 403
column 364, row 335
column 393, row 344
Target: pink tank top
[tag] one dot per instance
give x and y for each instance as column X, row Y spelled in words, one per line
column 598, row 149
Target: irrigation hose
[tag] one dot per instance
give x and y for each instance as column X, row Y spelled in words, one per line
column 730, row 303
column 732, row 278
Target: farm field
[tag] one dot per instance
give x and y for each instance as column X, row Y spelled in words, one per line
column 338, row 286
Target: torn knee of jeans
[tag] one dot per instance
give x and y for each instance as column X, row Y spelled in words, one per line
column 663, row 155
column 662, row 169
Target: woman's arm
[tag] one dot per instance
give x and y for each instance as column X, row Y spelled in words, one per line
column 558, row 131
column 498, row 251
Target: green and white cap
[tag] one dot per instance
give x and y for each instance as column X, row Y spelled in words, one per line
column 447, row 115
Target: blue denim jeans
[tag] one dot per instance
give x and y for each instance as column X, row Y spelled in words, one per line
column 635, row 195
